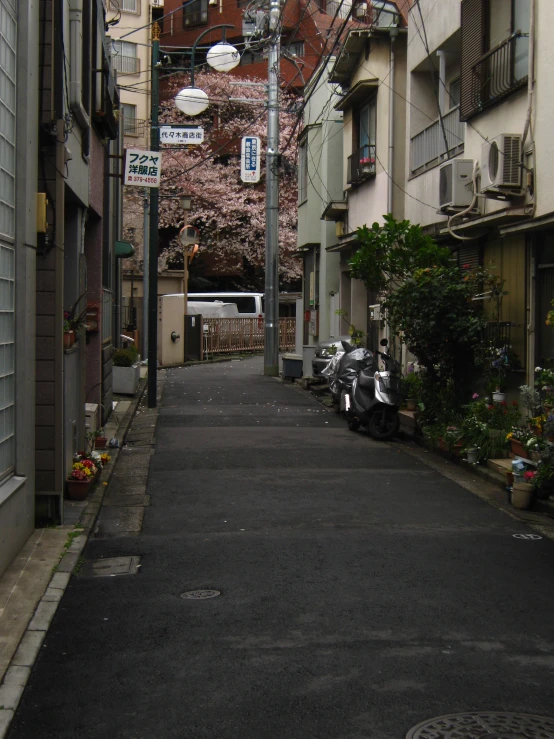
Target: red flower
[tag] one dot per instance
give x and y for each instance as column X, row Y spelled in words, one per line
column 514, row 403
column 490, row 407
column 505, row 413
column 503, row 403
column 466, row 266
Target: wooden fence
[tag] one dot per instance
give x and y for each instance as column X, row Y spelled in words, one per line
column 230, row 335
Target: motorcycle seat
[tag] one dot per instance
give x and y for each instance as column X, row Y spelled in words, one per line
column 366, row 380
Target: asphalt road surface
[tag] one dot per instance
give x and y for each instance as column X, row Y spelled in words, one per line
column 361, row 591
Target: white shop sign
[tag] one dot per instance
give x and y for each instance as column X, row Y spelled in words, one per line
column 142, row 168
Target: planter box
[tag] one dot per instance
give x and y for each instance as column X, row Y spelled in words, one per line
column 77, row 489
column 126, row 379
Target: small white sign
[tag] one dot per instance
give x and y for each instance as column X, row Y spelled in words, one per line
column 143, row 168
column 250, row 159
column 190, row 135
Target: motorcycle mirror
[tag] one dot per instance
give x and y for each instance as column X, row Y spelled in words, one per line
column 384, row 342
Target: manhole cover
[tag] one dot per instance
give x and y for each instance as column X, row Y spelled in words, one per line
column 485, row 726
column 200, row 594
column 111, row 566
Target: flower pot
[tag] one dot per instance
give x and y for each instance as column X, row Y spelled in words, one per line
column 535, row 456
column 68, row 339
column 77, row 489
column 100, row 442
column 472, row 456
column 522, row 495
column 499, row 397
column 517, row 448
column 411, row 404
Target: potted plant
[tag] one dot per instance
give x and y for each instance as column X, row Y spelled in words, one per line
column 126, row 371
column 411, row 387
column 523, row 492
column 74, row 323
column 472, row 454
column 79, row 481
column 451, row 440
column 544, row 384
column 367, row 165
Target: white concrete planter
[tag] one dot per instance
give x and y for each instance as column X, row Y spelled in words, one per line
column 126, row 379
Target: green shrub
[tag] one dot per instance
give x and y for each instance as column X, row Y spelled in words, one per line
column 124, row 357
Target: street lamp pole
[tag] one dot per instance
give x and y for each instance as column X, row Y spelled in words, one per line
column 271, row 346
column 222, row 57
column 153, row 240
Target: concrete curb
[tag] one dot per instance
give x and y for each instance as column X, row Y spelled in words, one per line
column 19, row 670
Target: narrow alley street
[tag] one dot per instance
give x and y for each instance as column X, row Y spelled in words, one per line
column 361, row 592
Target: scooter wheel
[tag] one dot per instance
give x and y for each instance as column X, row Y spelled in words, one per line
column 383, row 424
column 353, row 424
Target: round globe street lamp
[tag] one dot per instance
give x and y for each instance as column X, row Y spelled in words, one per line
column 222, row 57
column 191, row 101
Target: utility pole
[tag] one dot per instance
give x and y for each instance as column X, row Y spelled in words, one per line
column 153, row 240
column 145, row 275
column 271, row 348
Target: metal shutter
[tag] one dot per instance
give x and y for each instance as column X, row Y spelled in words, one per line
column 473, row 47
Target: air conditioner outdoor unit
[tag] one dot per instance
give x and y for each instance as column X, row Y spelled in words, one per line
column 501, row 166
column 339, row 229
column 360, row 10
column 455, row 185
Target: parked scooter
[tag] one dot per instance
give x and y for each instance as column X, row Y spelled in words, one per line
column 374, row 399
column 343, row 369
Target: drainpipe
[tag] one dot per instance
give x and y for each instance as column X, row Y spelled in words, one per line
column 393, row 34
column 76, row 64
column 442, row 82
column 530, row 73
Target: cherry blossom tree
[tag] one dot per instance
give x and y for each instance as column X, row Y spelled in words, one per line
column 229, row 214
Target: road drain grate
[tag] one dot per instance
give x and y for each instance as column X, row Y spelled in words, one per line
column 200, row 594
column 485, row 726
column 110, row 567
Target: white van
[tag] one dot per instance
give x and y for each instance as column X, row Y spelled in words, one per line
column 250, row 305
column 215, row 309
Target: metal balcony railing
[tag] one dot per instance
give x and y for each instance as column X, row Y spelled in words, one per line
column 361, row 164
column 499, row 72
column 135, row 126
column 428, row 147
column 126, row 64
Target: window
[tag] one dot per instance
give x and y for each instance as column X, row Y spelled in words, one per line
column 8, row 40
column 454, row 93
column 303, row 172
column 495, row 50
column 129, row 119
column 195, row 13
column 124, row 57
column 130, row 6
column 361, row 164
column 251, row 57
column 296, row 48
column 158, row 16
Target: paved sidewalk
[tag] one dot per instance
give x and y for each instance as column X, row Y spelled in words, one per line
column 33, row 585
column 362, row 591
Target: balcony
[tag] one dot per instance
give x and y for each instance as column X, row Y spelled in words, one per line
column 135, row 127
column 126, row 64
column 429, row 148
column 498, row 73
column 361, row 165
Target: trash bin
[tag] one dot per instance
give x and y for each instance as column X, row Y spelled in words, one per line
column 292, row 366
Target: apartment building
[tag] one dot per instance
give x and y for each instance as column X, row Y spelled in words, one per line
column 479, row 166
